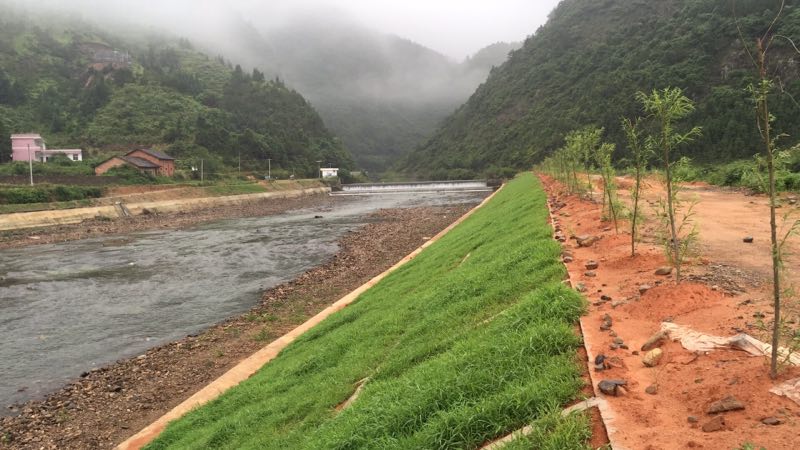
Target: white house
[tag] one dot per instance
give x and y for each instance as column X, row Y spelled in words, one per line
column 329, row 172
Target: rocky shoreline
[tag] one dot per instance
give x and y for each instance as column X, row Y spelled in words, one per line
column 107, row 405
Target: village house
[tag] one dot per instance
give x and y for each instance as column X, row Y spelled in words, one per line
column 102, row 56
column 329, row 172
column 32, row 146
column 147, row 161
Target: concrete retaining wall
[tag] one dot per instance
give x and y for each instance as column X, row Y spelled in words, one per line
column 38, row 219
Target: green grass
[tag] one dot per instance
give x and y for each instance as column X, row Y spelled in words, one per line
column 458, row 352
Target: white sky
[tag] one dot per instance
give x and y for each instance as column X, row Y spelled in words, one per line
column 456, row 28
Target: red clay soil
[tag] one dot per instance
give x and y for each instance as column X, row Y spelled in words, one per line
column 727, row 286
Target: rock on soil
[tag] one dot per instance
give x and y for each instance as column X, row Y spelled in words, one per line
column 655, row 341
column 772, row 421
column 653, row 357
column 663, row 271
column 592, row 265
column 726, row 404
column 715, row 424
column 611, row 387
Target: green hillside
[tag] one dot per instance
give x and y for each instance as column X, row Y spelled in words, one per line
column 54, row 81
column 585, row 66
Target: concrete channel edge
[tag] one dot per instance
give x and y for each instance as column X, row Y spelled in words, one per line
column 252, row 364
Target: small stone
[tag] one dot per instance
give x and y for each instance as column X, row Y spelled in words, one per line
column 617, row 303
column 748, row 240
column 590, row 273
column 715, row 288
column 715, row 424
column 644, row 288
column 587, row 241
column 600, row 359
column 611, row 387
column 655, row 341
column 771, row 421
column 605, row 298
column 618, row 341
column 666, row 270
column 652, row 389
column 728, row 403
column 613, row 346
column 692, row 419
column 568, row 259
column 592, row 265
column 653, row 357
column 624, row 346
column 612, row 333
column 580, row 287
column 607, row 323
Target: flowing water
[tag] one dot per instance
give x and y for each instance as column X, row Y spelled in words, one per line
column 67, row 308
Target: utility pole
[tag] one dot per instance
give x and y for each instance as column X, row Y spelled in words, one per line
column 240, row 162
column 269, row 169
column 319, row 169
column 30, row 163
column 202, row 173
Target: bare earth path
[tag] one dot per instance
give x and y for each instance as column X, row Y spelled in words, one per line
column 727, row 293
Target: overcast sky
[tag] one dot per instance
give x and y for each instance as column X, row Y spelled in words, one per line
column 456, row 28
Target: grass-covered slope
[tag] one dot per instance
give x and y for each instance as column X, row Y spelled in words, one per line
column 471, row 340
column 585, row 66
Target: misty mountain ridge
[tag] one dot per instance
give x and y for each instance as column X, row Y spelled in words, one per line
column 382, row 94
column 585, row 66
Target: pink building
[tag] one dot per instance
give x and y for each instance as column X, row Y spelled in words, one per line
column 25, row 146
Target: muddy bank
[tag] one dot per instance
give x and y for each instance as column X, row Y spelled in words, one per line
column 94, row 227
column 107, row 405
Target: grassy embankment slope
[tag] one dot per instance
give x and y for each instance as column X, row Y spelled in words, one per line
column 471, row 340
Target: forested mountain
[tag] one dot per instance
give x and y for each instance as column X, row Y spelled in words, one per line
column 382, row 94
column 80, row 85
column 585, row 66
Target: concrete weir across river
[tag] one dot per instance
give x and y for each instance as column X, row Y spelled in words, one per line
column 69, row 307
column 414, row 187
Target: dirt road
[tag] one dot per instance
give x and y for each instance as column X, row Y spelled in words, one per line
column 667, row 406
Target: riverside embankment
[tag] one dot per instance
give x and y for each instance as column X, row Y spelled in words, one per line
column 35, row 219
column 472, row 339
column 102, row 407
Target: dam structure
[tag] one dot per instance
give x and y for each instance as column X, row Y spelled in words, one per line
column 414, row 187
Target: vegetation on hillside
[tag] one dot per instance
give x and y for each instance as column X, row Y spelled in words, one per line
column 585, row 65
column 381, row 94
column 169, row 96
column 429, row 344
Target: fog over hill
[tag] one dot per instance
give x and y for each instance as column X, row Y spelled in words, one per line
column 382, row 93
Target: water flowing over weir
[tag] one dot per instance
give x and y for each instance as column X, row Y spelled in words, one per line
column 414, row 187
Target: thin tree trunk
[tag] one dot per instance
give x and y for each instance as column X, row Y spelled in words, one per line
column 773, row 223
column 671, row 213
column 635, row 210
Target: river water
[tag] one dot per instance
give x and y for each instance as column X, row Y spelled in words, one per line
column 70, row 307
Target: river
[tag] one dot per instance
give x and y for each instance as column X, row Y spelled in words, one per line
column 70, row 307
